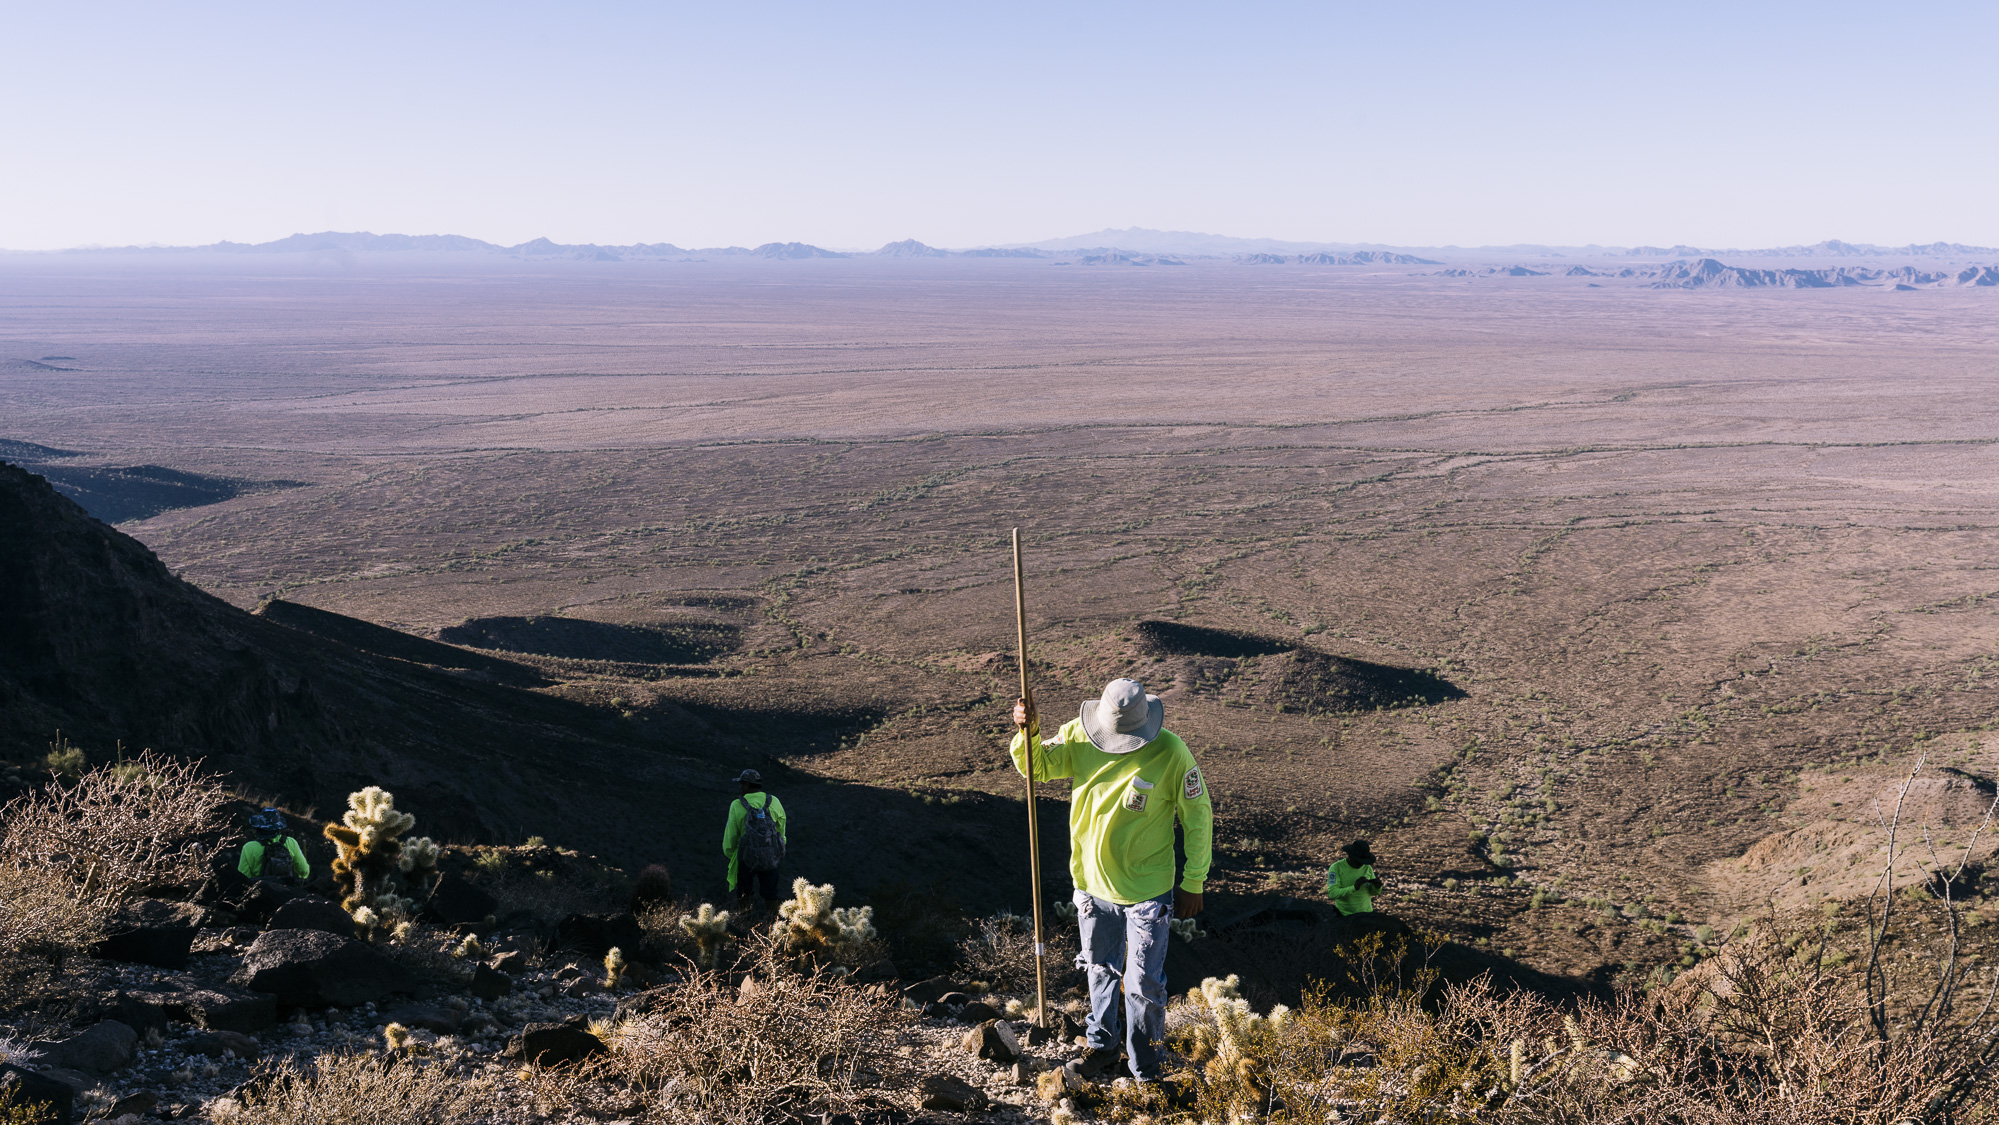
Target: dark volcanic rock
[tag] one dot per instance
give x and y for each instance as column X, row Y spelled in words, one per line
column 312, row 913
column 216, row 1009
column 489, row 983
column 315, row 969
column 925, row 991
column 20, row 1087
column 215, row 1044
column 598, row 934
column 150, row 932
column 552, row 1044
column 101, row 1049
column 456, row 902
column 978, row 1011
column 993, row 1040
column 953, row 1095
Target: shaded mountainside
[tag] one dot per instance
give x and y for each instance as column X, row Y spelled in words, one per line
column 99, row 640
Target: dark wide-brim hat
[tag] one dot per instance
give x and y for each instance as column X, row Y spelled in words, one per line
column 1124, row 718
column 1359, row 854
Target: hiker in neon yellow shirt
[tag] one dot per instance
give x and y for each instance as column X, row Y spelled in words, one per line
column 754, row 811
column 1133, row 780
column 1350, row 882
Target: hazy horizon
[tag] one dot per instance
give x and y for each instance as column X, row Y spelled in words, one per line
column 1135, row 238
column 1433, row 126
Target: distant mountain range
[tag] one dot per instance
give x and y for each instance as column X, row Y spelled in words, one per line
column 1711, row 273
column 1130, row 246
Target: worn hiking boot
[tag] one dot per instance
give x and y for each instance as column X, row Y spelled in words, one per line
column 1093, row 1063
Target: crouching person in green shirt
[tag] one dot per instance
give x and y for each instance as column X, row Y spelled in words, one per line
column 1132, row 780
column 273, row 853
column 1350, row 882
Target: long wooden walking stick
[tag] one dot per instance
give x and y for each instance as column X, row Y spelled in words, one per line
column 1033, row 738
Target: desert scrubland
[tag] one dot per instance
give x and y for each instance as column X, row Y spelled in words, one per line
column 1607, row 612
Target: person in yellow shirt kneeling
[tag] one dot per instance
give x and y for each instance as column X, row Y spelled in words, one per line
column 1350, row 882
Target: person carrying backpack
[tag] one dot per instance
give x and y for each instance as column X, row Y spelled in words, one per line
column 272, row 853
column 754, row 839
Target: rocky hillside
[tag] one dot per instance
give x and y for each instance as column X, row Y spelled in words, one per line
column 100, row 641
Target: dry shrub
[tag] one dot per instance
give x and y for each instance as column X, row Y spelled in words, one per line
column 783, row 1044
column 126, row 828
column 42, row 920
column 368, row 1090
column 1000, row 951
column 1774, row 1032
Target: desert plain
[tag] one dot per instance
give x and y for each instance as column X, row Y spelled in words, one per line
column 1606, row 612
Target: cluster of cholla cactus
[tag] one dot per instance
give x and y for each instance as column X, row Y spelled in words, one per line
column 614, row 967
column 1222, row 1032
column 709, row 928
column 813, row 926
column 374, row 862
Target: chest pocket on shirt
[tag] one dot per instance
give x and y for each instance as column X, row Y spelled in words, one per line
column 1137, row 794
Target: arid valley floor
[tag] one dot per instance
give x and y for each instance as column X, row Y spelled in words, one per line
column 1669, row 587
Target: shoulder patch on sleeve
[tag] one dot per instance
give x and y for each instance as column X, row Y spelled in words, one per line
column 1192, row 786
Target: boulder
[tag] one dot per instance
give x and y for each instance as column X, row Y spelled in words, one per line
column 139, row 1105
column 489, row 983
column 315, row 969
column 951, row 1094
column 139, row 1011
column 262, row 899
column 309, row 913
column 150, row 932
column 993, row 1041
column 215, row 1009
column 598, row 934
column 978, row 1011
column 552, row 1044
column 19, row 1087
column 103, row 1048
column 928, row 991
column 458, row 902
column 215, row 1044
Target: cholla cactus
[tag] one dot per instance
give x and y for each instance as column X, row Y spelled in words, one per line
column 1223, row 1030
column 369, row 839
column 419, row 857
column 808, row 911
column 812, row 925
column 397, row 1037
column 1186, row 929
column 709, row 928
column 614, row 967
column 470, row 949
column 855, row 929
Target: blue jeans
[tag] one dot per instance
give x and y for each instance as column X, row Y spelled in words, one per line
column 1126, row 945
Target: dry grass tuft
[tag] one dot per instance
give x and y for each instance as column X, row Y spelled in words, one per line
column 366, row 1090
column 784, row 1044
column 1000, row 951
column 1774, row 1032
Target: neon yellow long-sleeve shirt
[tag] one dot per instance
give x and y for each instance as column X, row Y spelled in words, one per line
column 732, row 833
column 1351, row 888
column 1121, row 812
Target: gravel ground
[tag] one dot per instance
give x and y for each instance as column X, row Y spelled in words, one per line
column 191, row 1084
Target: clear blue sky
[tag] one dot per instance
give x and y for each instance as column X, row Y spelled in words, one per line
column 1736, row 124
